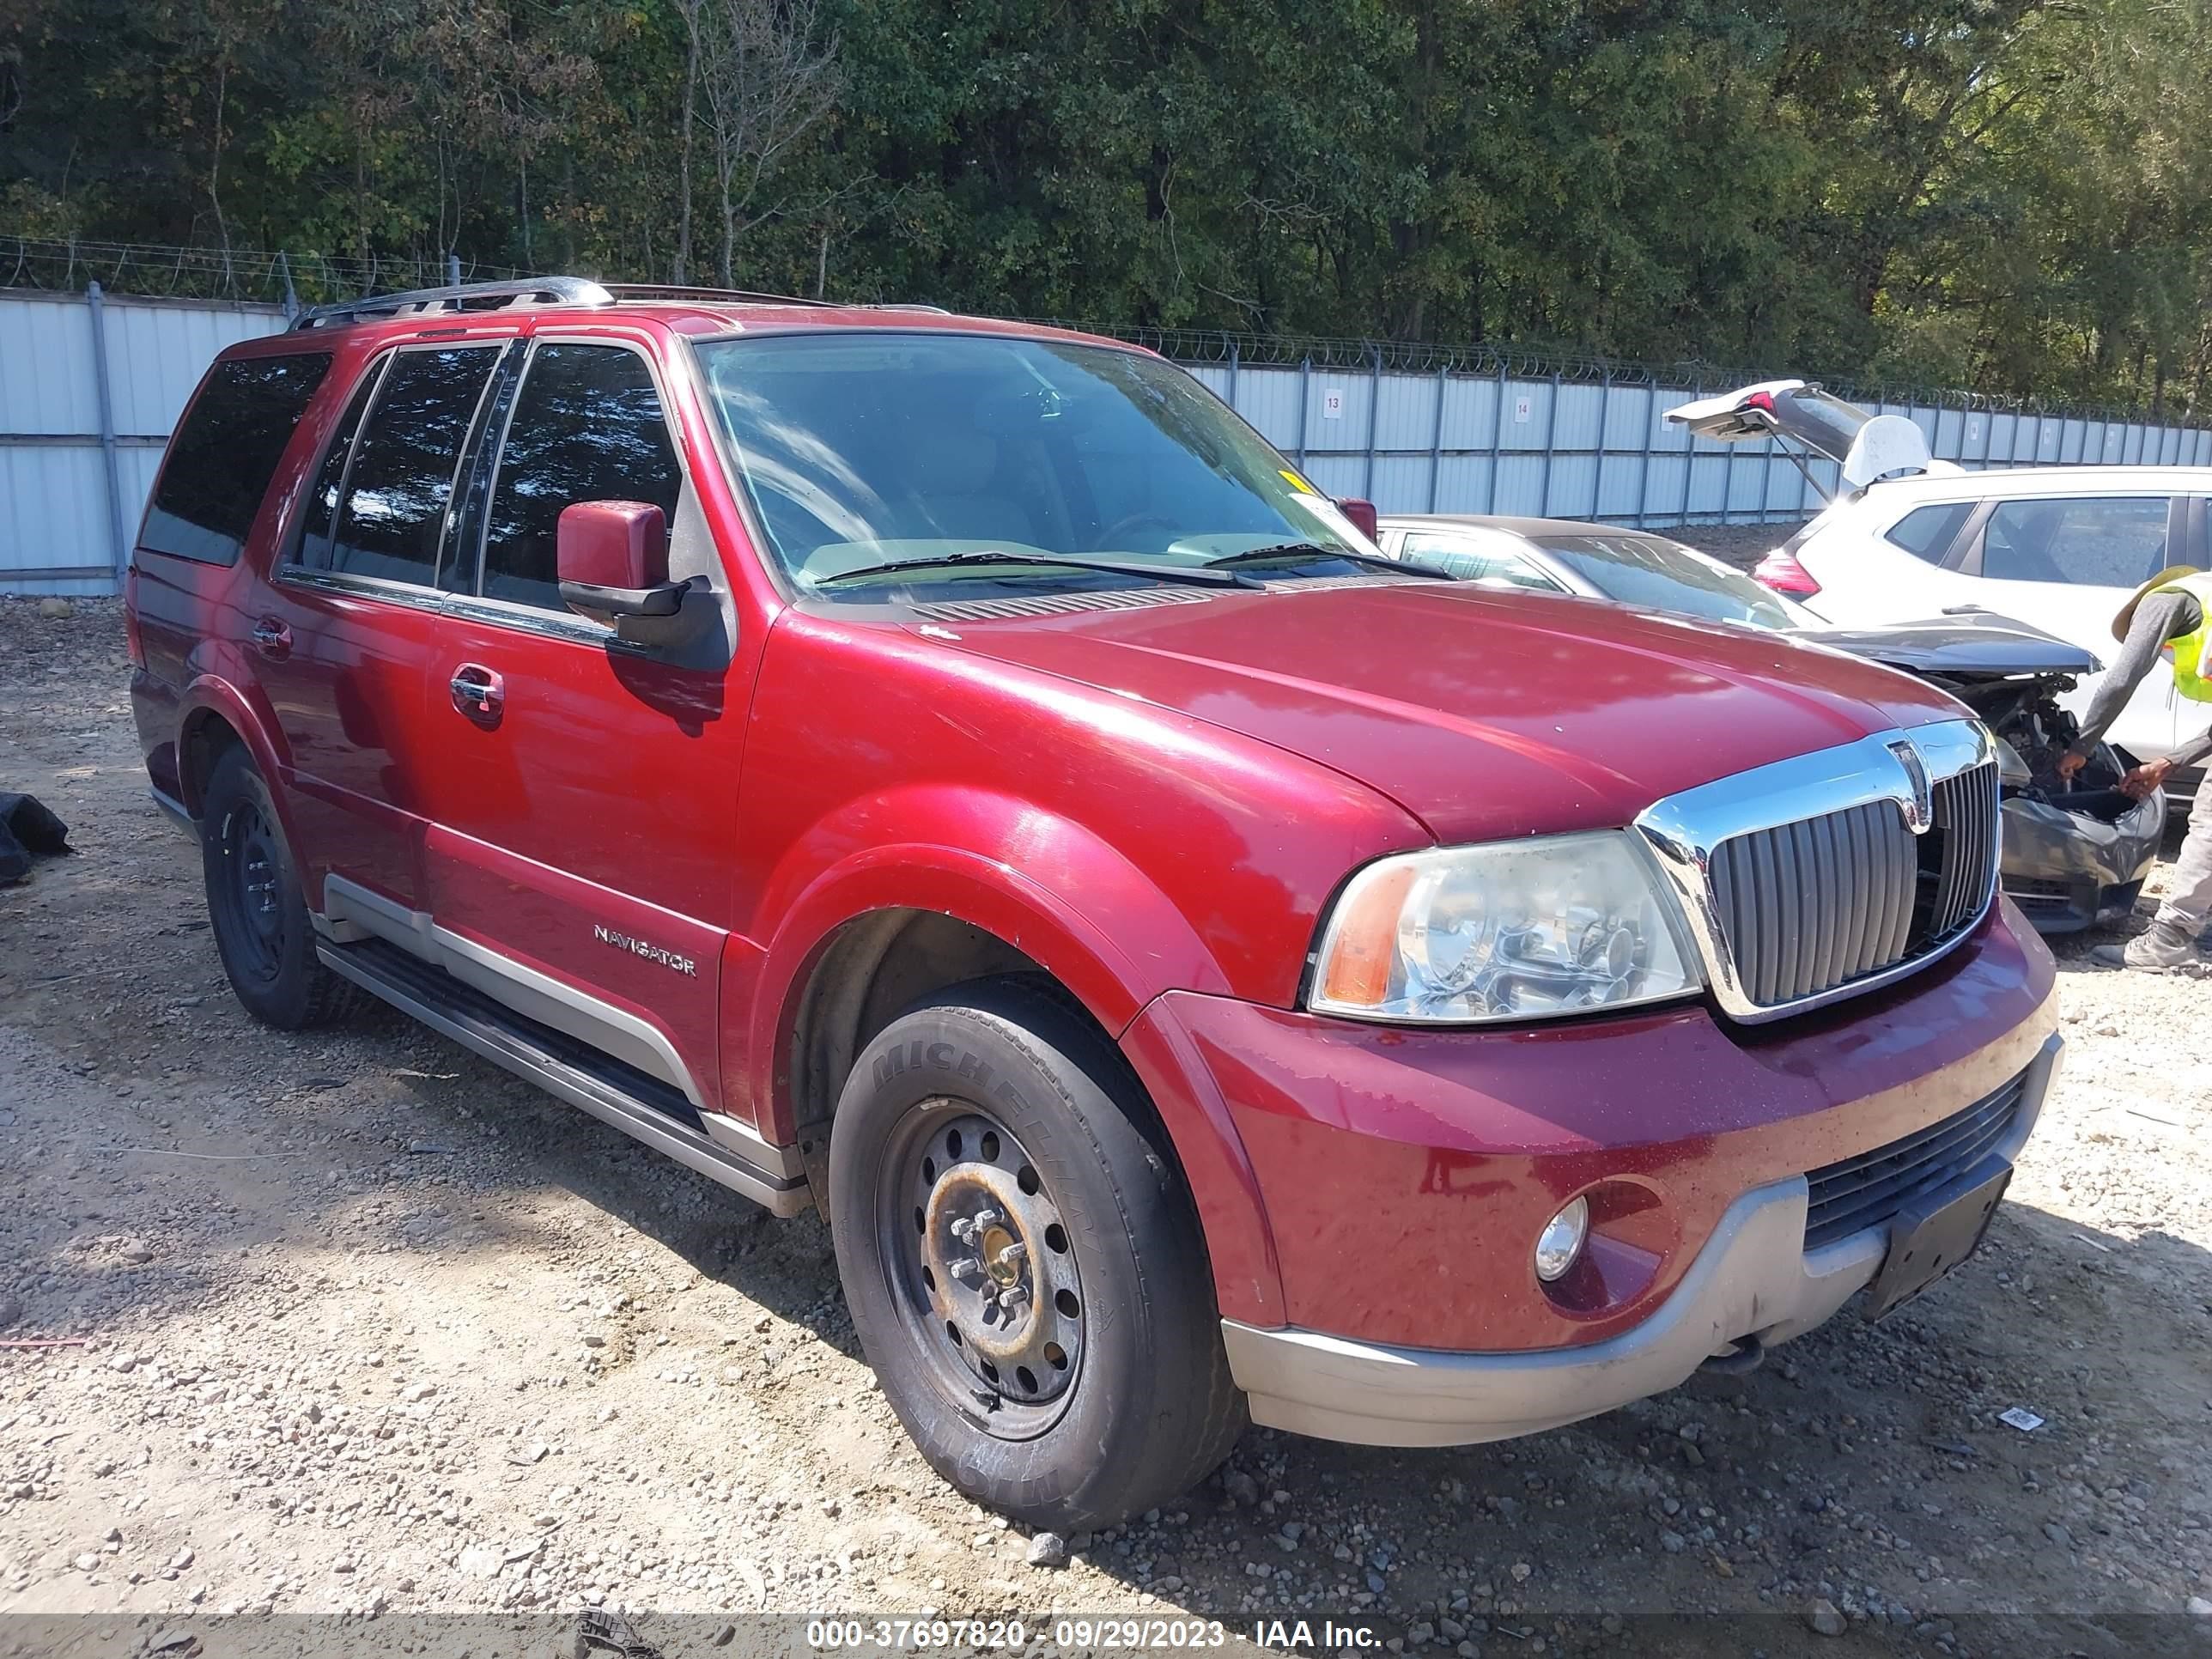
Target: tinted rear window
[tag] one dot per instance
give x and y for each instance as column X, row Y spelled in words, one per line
column 1655, row 575
column 1927, row 533
column 391, row 526
column 222, row 458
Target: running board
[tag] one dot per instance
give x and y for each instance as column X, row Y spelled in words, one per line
column 640, row 1106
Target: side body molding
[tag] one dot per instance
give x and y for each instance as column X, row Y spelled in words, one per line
column 351, row 912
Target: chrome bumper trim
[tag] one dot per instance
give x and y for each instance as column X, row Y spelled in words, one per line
column 1752, row 1278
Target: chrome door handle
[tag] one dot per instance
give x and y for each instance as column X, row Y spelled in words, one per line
column 478, row 692
column 272, row 638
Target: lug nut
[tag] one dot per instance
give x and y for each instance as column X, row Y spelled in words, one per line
column 967, row 1230
column 966, row 1268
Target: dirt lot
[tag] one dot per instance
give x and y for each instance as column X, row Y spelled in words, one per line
column 369, row 1329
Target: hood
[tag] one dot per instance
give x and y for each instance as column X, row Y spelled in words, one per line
column 1965, row 646
column 1485, row 714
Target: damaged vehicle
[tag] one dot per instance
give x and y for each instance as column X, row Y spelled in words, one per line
column 954, row 776
column 1905, row 535
column 2074, row 855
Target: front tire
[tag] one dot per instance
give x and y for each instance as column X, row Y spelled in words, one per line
column 256, row 906
column 1024, row 1266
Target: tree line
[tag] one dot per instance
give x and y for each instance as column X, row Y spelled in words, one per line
column 2014, row 196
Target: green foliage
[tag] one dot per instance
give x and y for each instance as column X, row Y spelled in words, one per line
column 2013, row 195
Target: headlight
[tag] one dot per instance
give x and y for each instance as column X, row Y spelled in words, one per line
column 1513, row 930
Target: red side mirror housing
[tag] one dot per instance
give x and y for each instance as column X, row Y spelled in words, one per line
column 613, row 544
column 1362, row 514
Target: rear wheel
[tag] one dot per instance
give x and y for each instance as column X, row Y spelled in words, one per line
column 255, row 904
column 1024, row 1266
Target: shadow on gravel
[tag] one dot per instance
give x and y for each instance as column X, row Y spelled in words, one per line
column 1864, row 1465
column 787, row 1267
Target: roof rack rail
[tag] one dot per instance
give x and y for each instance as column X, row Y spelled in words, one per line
column 698, row 291
column 464, row 296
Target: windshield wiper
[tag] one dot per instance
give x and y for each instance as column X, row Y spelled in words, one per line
column 1314, row 550
column 1167, row 573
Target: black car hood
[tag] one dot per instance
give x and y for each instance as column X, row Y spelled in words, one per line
column 1969, row 646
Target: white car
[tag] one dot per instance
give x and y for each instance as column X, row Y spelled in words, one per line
column 2076, row 851
column 2060, row 548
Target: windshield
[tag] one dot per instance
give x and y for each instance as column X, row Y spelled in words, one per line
column 1655, row 574
column 860, row 450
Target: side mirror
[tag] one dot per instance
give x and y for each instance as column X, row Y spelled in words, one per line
column 1362, row 514
column 612, row 560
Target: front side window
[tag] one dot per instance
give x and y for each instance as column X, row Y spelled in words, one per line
column 865, row 449
column 587, row 427
column 400, row 480
column 224, row 455
column 2114, row 541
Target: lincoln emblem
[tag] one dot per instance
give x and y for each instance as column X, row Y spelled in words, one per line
column 1920, row 810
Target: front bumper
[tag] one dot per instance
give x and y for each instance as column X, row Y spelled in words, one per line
column 2068, row 871
column 1753, row 1278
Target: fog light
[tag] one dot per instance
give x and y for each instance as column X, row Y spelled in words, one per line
column 1561, row 1241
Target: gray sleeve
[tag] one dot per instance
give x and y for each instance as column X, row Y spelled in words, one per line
column 2157, row 619
column 2192, row 754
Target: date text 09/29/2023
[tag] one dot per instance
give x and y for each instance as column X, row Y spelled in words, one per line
column 1084, row 1635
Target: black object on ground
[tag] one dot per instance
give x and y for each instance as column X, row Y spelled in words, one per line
column 27, row 829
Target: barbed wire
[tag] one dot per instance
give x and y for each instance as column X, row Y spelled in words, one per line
column 291, row 279
column 1534, row 361
column 242, row 275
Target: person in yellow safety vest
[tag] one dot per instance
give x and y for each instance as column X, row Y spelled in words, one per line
column 2170, row 615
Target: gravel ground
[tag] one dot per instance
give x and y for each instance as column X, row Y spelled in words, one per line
column 1740, row 544
column 354, row 1325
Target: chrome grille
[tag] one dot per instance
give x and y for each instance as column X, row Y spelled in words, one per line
column 1966, row 863
column 1861, row 1191
column 1807, row 908
column 1815, row 904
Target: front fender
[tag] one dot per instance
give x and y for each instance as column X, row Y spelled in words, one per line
column 1051, row 888
column 1071, row 903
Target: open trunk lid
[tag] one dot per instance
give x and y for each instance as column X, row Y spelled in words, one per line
column 1866, row 446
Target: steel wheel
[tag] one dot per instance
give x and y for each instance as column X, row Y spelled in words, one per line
column 982, row 1270
column 250, row 894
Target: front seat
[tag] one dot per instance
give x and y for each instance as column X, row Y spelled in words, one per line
column 950, row 473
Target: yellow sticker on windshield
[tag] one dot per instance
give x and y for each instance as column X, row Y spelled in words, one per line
column 1298, row 483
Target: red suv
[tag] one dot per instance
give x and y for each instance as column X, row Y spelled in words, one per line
column 955, row 776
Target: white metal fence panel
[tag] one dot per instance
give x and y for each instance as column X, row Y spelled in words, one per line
column 78, row 448
column 1446, row 441
column 90, row 387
